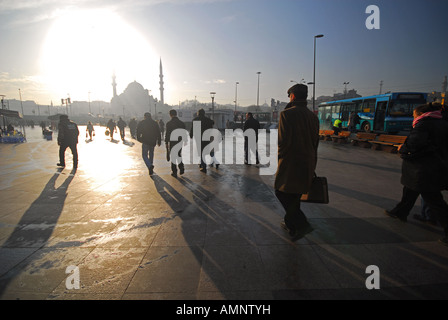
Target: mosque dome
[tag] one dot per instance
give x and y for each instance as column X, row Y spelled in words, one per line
column 134, row 87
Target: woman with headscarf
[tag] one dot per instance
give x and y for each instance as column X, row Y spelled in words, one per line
column 425, row 165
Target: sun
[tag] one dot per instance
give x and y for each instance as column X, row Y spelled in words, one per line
column 84, row 48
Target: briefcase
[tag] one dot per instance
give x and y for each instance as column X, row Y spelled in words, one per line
column 318, row 192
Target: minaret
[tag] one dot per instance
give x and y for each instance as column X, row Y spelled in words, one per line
column 114, row 85
column 161, row 83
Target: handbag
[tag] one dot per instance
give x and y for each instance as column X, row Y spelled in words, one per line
column 318, row 191
column 107, row 132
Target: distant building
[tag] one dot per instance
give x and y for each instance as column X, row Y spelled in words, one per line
column 133, row 102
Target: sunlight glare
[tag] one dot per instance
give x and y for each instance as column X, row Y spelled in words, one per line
column 84, row 48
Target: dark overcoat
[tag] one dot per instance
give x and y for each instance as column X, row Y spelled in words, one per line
column 298, row 139
column 425, row 156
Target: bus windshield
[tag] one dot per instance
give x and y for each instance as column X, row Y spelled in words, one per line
column 403, row 108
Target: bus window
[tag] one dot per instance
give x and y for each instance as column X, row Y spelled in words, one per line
column 368, row 105
column 402, row 108
column 345, row 111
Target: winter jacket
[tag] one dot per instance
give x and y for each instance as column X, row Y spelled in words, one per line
column 67, row 133
column 425, row 156
column 148, row 132
column 298, row 139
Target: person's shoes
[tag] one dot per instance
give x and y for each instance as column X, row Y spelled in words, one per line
column 444, row 241
column 181, row 171
column 217, row 166
column 174, row 174
column 151, row 170
column 284, row 227
column 211, row 165
column 390, row 214
column 300, row 233
column 203, row 169
column 62, row 165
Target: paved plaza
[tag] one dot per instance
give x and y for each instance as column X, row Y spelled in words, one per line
column 213, row 236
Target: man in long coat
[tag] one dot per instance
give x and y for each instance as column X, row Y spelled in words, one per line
column 298, row 139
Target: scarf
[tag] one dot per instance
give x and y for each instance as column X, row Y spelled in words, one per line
column 432, row 114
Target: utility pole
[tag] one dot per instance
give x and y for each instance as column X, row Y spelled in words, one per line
column 381, row 86
column 444, row 86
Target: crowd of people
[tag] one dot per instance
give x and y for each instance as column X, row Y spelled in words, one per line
column 424, row 154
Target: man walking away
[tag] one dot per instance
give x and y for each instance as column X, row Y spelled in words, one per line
column 67, row 138
column 173, row 124
column 133, row 128
column 121, row 126
column 251, row 123
column 206, row 123
column 298, row 139
column 148, row 133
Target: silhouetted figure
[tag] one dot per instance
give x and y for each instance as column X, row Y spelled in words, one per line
column 162, row 127
column 206, row 123
column 173, row 124
column 112, row 126
column 148, row 133
column 425, row 166
column 121, row 126
column 133, row 128
column 353, row 121
column 250, row 123
column 67, row 138
column 90, row 130
column 298, row 139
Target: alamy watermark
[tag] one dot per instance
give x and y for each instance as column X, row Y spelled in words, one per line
column 224, row 147
column 73, row 280
column 373, row 20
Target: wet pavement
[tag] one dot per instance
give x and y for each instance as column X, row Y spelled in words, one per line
column 204, row 236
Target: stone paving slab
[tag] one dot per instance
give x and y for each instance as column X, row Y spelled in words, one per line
column 213, row 236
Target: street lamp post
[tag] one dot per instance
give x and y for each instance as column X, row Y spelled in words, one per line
column 258, row 89
column 90, row 110
column 314, row 71
column 213, row 105
column 236, row 95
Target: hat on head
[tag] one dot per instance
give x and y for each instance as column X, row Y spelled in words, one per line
column 147, row 115
column 299, row 90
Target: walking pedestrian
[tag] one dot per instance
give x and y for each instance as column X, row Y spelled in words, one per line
column 148, row 133
column 90, row 130
column 251, row 123
column 298, row 139
column 112, row 126
column 133, row 128
column 67, row 138
column 121, row 124
column 173, row 124
column 425, row 166
column 206, row 123
column 162, row 127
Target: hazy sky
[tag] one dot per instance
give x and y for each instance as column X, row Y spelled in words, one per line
column 52, row 49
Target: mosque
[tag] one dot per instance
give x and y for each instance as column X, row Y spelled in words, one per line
column 136, row 100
